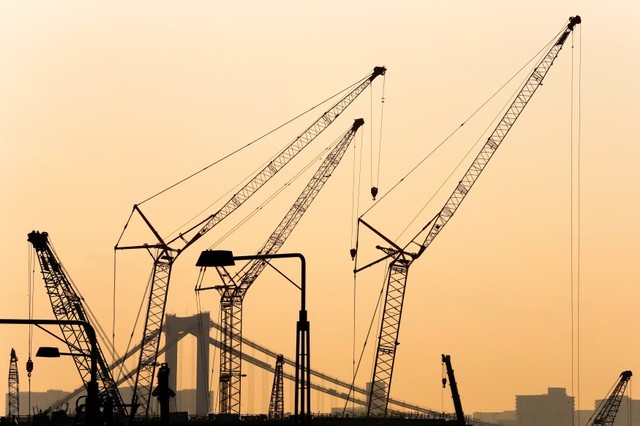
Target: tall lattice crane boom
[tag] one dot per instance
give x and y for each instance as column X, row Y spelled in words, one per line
column 68, row 305
column 166, row 255
column 234, row 289
column 276, row 240
column 13, row 393
column 401, row 259
column 606, row 413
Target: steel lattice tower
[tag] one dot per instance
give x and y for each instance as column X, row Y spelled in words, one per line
column 276, row 405
column 13, row 398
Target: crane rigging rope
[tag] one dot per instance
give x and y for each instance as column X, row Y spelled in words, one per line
column 192, row 175
column 402, row 259
column 30, row 283
column 457, row 129
column 375, row 314
column 253, row 141
column 375, row 168
column 135, row 326
column 235, row 228
column 575, row 215
column 277, row 192
column 355, row 187
column 168, row 251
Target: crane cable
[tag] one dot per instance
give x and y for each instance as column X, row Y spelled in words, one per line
column 350, row 87
column 135, row 324
column 575, row 214
column 355, row 209
column 375, row 168
column 269, row 199
column 355, row 203
column 376, row 313
column 91, row 317
column 629, row 409
column 278, row 191
column 444, row 385
column 203, row 335
column 30, row 287
column 101, row 334
column 230, row 232
column 113, row 305
column 253, row 141
column 215, row 348
column 355, row 190
column 472, row 115
column 411, row 171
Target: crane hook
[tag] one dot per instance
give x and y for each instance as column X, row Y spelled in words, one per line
column 353, row 253
column 29, row 367
column 374, row 192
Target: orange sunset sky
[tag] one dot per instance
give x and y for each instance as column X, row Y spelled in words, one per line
column 103, row 104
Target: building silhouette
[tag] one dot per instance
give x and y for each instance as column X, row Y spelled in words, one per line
column 553, row 409
column 502, row 418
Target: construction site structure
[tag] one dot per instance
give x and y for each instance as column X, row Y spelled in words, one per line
column 163, row 393
column 197, row 326
column 68, row 305
column 13, row 393
column 276, row 403
column 234, row 289
column 165, row 253
column 331, row 386
column 401, row 258
column 457, row 404
column 605, row 414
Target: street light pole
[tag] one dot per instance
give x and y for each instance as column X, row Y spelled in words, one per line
column 302, row 400
column 93, row 400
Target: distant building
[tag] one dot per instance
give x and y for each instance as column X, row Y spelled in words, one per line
column 503, row 418
column 349, row 411
column 39, row 401
column 185, row 401
column 553, row 409
column 582, row 416
column 378, row 392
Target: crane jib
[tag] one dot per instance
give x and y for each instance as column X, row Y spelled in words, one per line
column 397, row 272
column 234, row 289
column 161, row 274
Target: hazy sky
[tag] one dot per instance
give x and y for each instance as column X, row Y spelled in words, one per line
column 103, row 104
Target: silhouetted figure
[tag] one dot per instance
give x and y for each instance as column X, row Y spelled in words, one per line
column 163, row 393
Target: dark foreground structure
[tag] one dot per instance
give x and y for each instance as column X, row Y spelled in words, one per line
column 61, row 419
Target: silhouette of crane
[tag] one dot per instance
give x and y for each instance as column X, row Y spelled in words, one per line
column 403, row 257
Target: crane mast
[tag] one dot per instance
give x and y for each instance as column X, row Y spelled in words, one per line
column 276, row 404
column 606, row 413
column 457, row 404
column 165, row 255
column 401, row 259
column 68, row 305
column 234, row 289
column 13, row 393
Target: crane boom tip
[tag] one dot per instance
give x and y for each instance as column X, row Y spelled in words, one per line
column 378, row 71
column 573, row 21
